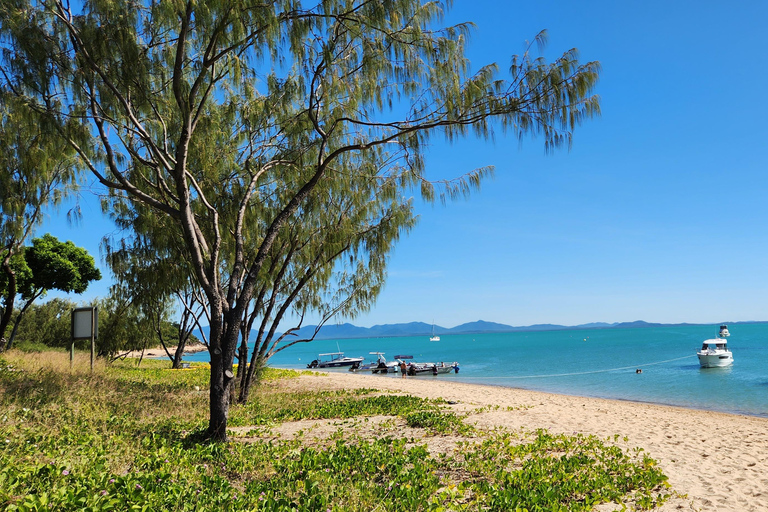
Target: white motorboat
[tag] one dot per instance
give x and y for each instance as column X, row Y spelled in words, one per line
column 333, row 360
column 714, row 353
column 381, row 365
column 724, row 331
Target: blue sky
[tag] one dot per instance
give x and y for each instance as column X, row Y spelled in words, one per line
column 658, row 212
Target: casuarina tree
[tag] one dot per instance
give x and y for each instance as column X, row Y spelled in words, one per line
column 36, row 171
column 225, row 117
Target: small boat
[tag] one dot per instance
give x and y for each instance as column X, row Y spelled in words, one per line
column 432, row 368
column 434, row 337
column 381, row 365
column 333, row 360
column 714, row 353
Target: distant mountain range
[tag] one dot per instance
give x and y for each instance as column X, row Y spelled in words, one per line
column 424, row 329
column 346, row 330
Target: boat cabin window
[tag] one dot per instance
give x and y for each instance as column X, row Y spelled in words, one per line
column 721, row 345
column 703, row 346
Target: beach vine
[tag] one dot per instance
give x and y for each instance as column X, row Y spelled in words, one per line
column 127, row 438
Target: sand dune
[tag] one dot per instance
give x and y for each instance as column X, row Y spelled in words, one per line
column 720, row 461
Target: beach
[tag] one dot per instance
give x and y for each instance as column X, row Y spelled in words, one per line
column 715, row 461
column 160, row 353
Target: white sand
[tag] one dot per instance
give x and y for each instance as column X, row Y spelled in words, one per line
column 720, row 461
column 160, row 351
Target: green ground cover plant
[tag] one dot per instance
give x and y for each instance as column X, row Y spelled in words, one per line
column 126, row 438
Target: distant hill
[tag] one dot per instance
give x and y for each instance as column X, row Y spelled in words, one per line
column 347, row 330
column 475, row 327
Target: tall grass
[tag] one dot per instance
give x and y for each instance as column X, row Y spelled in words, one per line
column 125, row 438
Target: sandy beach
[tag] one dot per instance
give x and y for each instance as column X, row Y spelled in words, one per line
column 716, row 461
column 160, row 351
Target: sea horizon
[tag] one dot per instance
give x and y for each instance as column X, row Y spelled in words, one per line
column 347, row 330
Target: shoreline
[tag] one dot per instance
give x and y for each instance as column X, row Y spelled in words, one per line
column 462, row 380
column 441, row 380
column 719, row 460
column 428, row 378
column 627, row 400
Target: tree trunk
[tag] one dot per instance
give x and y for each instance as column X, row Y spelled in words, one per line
column 10, row 297
column 223, row 345
column 219, row 398
column 11, row 339
column 185, row 331
column 242, row 366
column 180, row 347
column 178, row 355
column 22, row 311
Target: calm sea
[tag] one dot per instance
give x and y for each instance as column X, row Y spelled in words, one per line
column 596, row 363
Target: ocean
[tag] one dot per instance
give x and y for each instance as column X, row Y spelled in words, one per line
column 595, row 363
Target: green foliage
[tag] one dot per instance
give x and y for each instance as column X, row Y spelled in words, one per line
column 36, row 171
column 48, row 265
column 125, row 326
column 58, row 265
column 326, row 405
column 19, row 266
column 561, row 472
column 123, row 438
column 441, row 423
column 47, row 324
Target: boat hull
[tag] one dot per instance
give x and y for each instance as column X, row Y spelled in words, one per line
column 389, row 368
column 336, row 363
column 716, row 360
column 431, row 368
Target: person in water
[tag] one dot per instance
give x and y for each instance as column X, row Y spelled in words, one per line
column 403, row 368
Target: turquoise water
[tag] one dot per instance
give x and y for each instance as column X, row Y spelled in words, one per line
column 596, row 363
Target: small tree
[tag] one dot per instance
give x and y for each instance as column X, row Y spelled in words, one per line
column 152, row 274
column 52, row 265
column 191, row 302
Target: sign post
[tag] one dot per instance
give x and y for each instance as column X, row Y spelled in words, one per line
column 85, row 325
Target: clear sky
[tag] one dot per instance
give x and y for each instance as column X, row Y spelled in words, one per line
column 659, row 212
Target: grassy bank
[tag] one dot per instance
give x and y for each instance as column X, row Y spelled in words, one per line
column 127, row 438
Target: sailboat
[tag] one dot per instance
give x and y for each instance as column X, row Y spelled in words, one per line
column 434, row 337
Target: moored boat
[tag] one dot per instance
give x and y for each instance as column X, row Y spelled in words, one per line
column 714, row 353
column 381, row 365
column 432, row 368
column 333, row 360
